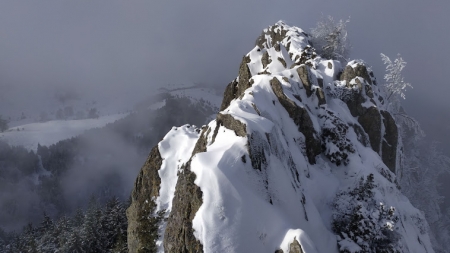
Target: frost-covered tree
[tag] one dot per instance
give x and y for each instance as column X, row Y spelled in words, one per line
column 330, row 40
column 424, row 165
column 395, row 86
column 421, row 163
column 362, row 224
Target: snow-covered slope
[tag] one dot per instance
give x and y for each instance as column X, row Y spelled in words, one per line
column 29, row 133
column 301, row 158
column 50, row 132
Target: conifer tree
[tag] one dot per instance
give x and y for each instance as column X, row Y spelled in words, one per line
column 362, row 224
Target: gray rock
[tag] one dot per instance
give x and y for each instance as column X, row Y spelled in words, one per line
column 229, row 94
column 321, row 96
column 244, row 77
column 369, row 91
column 142, row 231
column 295, row 247
column 389, row 145
column 305, row 77
column 371, row 123
column 283, row 62
column 265, row 59
column 276, row 37
column 320, row 82
column 348, row 74
column 360, row 70
column 301, row 119
column 226, row 120
column 179, row 234
column 277, row 47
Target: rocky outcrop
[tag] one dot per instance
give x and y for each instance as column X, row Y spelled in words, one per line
column 295, row 247
column 371, row 123
column 321, row 96
column 229, row 94
column 305, row 77
column 179, row 234
column 276, row 35
column 350, row 73
column 142, row 225
column 390, row 140
column 301, row 118
column 236, row 89
column 378, row 124
column 231, row 123
column 279, row 142
column 265, row 60
column 244, row 76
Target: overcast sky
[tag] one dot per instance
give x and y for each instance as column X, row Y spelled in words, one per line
column 119, row 45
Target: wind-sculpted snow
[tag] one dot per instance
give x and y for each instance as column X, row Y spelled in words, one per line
column 284, row 150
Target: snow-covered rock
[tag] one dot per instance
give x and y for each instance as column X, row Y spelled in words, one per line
column 302, row 148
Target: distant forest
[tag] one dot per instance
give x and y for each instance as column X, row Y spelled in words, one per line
column 77, row 181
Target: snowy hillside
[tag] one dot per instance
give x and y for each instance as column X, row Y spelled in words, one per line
column 30, row 133
column 50, row 132
column 301, row 158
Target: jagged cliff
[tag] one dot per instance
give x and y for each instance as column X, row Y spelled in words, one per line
column 273, row 172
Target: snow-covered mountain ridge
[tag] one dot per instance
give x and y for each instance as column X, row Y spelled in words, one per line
column 302, row 157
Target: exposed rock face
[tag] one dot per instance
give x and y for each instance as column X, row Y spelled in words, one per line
column 142, row 226
column 371, row 118
column 244, row 76
column 389, row 145
column 231, row 123
column 229, row 94
column 303, row 73
column 265, row 60
column 179, row 234
column 235, row 89
column 295, row 247
column 301, row 119
column 350, row 73
column 321, row 96
column 276, row 37
column 371, row 123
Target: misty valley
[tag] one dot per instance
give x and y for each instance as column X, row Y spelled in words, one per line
column 58, row 196
column 188, row 128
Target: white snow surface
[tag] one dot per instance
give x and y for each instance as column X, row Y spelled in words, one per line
column 51, row 132
column 249, row 210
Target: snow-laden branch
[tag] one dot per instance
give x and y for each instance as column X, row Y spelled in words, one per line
column 330, row 38
column 395, row 85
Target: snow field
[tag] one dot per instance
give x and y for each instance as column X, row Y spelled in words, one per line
column 51, row 132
